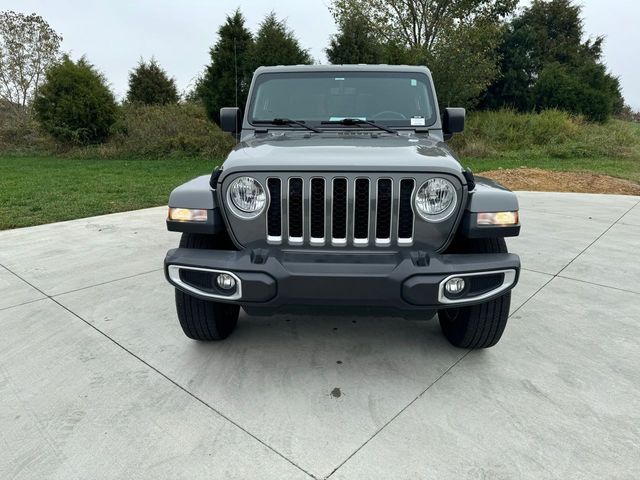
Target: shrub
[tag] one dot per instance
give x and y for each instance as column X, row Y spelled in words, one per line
column 551, row 133
column 20, row 133
column 153, row 131
column 74, row 104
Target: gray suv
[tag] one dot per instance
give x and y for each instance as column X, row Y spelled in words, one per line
column 342, row 197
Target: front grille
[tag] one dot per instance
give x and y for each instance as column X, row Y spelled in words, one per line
column 340, row 211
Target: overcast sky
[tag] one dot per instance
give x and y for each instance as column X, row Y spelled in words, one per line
column 115, row 34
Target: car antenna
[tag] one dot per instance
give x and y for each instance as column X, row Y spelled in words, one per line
column 235, row 63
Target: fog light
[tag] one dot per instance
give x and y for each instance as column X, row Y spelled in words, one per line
column 454, row 286
column 226, row 281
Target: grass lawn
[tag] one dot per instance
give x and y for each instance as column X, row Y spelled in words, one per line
column 45, row 190
column 36, row 190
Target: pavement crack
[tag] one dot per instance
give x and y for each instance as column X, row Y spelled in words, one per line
column 399, row 413
column 597, row 238
column 597, row 284
column 107, row 282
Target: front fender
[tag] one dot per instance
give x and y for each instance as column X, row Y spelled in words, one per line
column 488, row 196
column 196, row 194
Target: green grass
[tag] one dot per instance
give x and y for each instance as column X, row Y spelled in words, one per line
column 36, row 190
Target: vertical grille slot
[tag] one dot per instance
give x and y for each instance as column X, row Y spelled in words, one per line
column 339, row 211
column 317, row 210
column 405, row 212
column 383, row 211
column 274, row 214
column 295, row 210
column 361, row 210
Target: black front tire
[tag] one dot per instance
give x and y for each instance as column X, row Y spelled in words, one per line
column 476, row 326
column 201, row 319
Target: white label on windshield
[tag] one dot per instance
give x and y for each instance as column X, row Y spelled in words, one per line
column 339, row 119
column 414, row 82
column 417, row 121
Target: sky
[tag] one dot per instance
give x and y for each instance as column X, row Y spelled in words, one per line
column 115, row 34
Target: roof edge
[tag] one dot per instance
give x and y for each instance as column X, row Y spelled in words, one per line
column 344, row 68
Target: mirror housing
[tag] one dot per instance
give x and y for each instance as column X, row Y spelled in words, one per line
column 230, row 120
column 453, row 121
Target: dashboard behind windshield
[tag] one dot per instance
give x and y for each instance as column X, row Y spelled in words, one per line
column 395, row 99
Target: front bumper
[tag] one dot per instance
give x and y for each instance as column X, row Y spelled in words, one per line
column 404, row 281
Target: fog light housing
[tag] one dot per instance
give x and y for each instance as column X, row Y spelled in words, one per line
column 455, row 286
column 225, row 281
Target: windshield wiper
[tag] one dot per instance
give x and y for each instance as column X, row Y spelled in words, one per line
column 358, row 121
column 286, row 121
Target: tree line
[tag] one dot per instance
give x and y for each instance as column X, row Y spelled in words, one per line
column 483, row 54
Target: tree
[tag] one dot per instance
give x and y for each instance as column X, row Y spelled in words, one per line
column 456, row 38
column 149, row 84
column 546, row 40
column 74, row 104
column 354, row 43
column 227, row 78
column 420, row 24
column 28, row 45
column 465, row 63
column 275, row 44
column 585, row 89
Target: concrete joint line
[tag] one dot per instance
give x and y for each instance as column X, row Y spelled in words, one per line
column 198, row 399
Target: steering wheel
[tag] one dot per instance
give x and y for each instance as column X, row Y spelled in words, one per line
column 397, row 115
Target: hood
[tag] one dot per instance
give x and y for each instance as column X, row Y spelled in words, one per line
column 342, row 152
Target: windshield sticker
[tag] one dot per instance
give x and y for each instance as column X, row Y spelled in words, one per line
column 414, row 82
column 339, row 78
column 339, row 119
column 417, row 121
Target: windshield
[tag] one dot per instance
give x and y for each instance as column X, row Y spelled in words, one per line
column 395, row 99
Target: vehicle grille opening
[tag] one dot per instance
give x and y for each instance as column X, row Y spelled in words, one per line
column 339, row 210
column 361, row 209
column 405, row 212
column 295, row 208
column 383, row 212
column 317, row 208
column 274, row 214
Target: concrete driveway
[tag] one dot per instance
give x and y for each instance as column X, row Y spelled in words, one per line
column 98, row 381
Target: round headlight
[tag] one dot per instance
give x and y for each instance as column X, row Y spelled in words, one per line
column 248, row 196
column 436, row 199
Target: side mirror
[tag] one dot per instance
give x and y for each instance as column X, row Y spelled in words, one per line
column 230, row 120
column 452, row 121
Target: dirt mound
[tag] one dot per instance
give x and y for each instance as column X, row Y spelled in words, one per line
column 536, row 179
